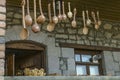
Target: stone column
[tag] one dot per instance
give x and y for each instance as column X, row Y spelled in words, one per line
column 109, row 63
column 2, row 36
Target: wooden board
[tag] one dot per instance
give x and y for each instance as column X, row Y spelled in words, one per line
column 109, row 9
column 10, row 65
column 28, row 45
column 89, row 47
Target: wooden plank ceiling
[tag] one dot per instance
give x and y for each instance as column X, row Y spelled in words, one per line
column 109, row 9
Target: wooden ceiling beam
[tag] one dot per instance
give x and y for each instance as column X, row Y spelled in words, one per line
column 80, row 46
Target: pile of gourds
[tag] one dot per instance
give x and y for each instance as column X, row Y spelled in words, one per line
column 34, row 72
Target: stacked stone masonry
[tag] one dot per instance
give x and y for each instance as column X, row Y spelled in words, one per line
column 2, row 36
column 107, row 35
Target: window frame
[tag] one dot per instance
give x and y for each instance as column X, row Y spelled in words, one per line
column 88, row 64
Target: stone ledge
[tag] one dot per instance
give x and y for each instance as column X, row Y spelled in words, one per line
column 64, row 78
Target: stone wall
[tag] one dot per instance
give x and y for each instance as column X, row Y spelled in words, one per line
column 112, row 63
column 2, row 36
column 107, row 35
column 14, row 28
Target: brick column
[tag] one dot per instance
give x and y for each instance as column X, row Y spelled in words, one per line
column 2, row 36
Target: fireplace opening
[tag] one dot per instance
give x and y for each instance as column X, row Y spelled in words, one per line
column 21, row 55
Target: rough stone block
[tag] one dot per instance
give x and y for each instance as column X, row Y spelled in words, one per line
column 116, row 67
column 2, row 32
column 116, row 56
column 73, row 41
column 72, row 37
column 71, row 67
column 53, row 65
column 108, row 35
column 72, row 31
column 2, row 47
column 2, row 40
column 80, row 42
column 2, row 17
column 18, row 16
column 117, row 73
column 107, row 26
column 2, row 9
column 117, row 36
column 2, row 54
column 80, row 31
column 87, row 42
column 60, row 30
column 2, row 24
column 93, row 42
column 2, row 71
column 2, row 2
column 109, row 63
column 1, row 77
column 2, row 62
column 100, row 43
column 2, row 67
column 62, row 40
column 68, row 52
column 110, row 73
column 63, row 36
column 113, row 45
column 10, row 14
column 16, row 21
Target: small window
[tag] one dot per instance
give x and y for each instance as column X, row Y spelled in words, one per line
column 85, row 65
column 77, row 57
column 94, row 70
column 81, row 70
column 86, row 58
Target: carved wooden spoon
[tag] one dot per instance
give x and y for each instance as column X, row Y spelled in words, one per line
column 85, row 29
column 88, row 21
column 28, row 18
column 64, row 15
column 69, row 12
column 59, row 14
column 55, row 19
column 24, row 33
column 35, row 27
column 74, row 20
column 95, row 22
column 41, row 19
column 51, row 25
column 98, row 17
